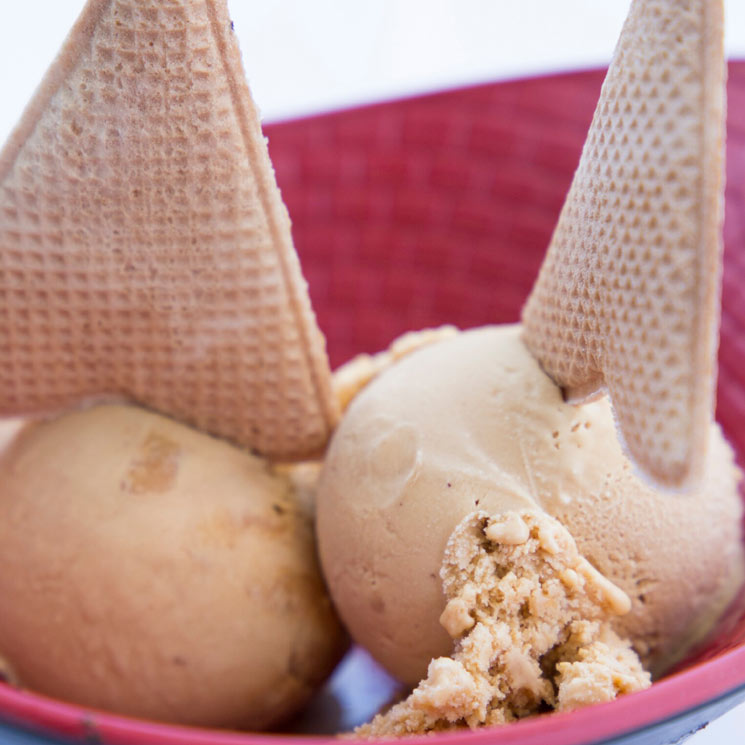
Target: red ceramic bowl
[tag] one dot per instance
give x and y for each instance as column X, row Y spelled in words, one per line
column 439, row 209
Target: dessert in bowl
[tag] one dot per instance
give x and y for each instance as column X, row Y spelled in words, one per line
column 437, row 210
column 341, row 241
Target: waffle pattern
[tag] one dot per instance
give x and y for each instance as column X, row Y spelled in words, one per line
column 145, row 250
column 628, row 296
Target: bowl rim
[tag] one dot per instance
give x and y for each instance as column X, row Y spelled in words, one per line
column 681, row 693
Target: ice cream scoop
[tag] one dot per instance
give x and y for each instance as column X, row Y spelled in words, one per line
column 473, row 423
column 152, row 570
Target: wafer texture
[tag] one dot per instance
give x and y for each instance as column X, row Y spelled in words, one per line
column 145, row 251
column 628, row 297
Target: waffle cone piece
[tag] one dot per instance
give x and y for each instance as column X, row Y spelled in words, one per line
column 145, row 251
column 628, row 297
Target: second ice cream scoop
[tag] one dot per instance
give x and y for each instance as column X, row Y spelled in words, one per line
column 473, row 423
column 151, row 570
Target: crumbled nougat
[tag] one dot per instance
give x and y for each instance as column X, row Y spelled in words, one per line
column 531, row 619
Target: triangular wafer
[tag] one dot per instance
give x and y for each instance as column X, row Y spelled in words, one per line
column 628, row 295
column 144, row 247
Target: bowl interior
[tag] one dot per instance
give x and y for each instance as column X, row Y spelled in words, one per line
column 438, row 210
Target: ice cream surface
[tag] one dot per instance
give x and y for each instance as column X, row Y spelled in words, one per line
column 152, row 570
column 530, row 616
column 473, row 423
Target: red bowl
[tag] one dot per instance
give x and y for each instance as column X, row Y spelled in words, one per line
column 438, row 209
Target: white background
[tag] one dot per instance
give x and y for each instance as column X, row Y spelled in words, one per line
column 309, row 55
column 303, row 56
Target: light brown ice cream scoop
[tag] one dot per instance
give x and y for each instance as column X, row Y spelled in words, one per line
column 151, row 570
column 473, row 423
